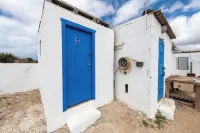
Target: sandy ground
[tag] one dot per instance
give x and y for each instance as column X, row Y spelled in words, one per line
column 23, row 113
column 184, row 87
column 118, row 118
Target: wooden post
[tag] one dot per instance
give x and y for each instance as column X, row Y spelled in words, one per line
column 197, row 98
column 172, row 85
column 167, row 88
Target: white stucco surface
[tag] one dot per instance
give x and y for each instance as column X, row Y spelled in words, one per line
column 50, row 62
column 139, row 39
column 17, row 77
column 167, row 108
column 193, row 57
column 81, row 121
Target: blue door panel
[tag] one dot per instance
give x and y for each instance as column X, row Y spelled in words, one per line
column 78, row 66
column 161, row 70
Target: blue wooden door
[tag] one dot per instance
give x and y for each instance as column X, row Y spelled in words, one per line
column 161, row 70
column 79, row 66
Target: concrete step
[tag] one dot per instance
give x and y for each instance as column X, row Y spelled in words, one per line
column 79, row 122
column 167, row 107
column 80, row 107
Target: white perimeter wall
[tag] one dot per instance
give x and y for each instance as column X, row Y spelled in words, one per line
column 139, row 39
column 195, row 62
column 51, row 63
column 18, row 77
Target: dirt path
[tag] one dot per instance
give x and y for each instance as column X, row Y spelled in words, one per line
column 23, row 113
column 118, row 118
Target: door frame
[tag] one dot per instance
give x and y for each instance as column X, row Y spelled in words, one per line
column 161, row 66
column 64, row 24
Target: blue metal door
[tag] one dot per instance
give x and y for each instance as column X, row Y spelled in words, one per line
column 79, row 66
column 161, row 69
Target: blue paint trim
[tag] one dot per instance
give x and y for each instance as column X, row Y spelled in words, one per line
column 161, row 71
column 187, row 63
column 66, row 23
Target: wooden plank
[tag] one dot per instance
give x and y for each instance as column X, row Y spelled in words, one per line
column 168, row 87
column 197, row 98
column 160, row 17
column 184, row 102
column 179, row 81
column 184, row 80
column 183, row 96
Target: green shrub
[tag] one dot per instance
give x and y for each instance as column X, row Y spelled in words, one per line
column 7, row 58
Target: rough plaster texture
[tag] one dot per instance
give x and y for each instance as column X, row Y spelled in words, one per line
column 138, row 39
column 18, row 77
column 50, row 61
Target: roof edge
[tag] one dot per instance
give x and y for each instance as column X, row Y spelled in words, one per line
column 163, row 21
column 79, row 12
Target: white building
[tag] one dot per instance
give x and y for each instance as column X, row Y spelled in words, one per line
column 146, row 40
column 76, row 59
column 182, row 63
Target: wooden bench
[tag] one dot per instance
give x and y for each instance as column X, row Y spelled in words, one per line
column 191, row 99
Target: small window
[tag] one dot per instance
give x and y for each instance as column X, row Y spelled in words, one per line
column 183, row 63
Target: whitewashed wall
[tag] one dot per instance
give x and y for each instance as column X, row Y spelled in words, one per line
column 137, row 45
column 195, row 61
column 139, row 39
column 155, row 35
column 51, row 64
column 18, row 77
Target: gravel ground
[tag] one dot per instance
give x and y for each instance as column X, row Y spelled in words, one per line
column 118, row 118
column 23, row 113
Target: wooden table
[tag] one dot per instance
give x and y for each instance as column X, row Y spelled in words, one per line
column 169, row 82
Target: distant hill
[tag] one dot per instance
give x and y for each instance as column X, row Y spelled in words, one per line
column 10, row 58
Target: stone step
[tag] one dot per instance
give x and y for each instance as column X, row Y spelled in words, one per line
column 167, row 108
column 79, row 122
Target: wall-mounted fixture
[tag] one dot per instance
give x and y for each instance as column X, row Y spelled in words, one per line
column 124, row 64
column 163, row 29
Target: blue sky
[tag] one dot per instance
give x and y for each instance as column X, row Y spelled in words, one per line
column 19, row 20
column 158, row 4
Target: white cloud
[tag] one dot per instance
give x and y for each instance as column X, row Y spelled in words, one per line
column 189, row 47
column 27, row 11
column 187, row 29
column 176, row 6
column 131, row 9
column 95, row 7
column 18, row 30
column 128, row 10
column 194, row 4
